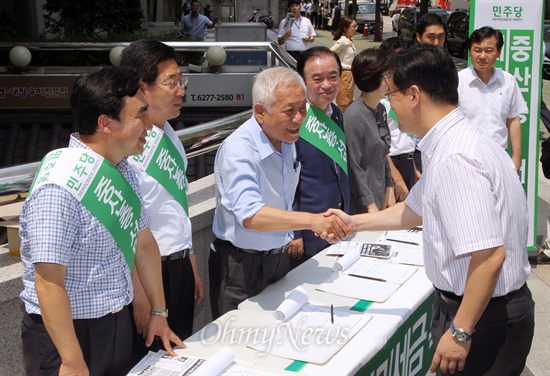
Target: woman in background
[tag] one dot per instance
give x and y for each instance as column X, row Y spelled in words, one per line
column 368, row 136
column 345, row 49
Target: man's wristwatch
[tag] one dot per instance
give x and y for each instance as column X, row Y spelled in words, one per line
column 159, row 313
column 460, row 334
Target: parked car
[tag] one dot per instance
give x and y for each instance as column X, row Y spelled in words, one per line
column 395, row 19
column 409, row 17
column 366, row 17
column 458, row 33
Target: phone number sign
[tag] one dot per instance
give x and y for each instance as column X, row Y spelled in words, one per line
column 216, row 90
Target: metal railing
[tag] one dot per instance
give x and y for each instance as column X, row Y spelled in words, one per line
column 197, row 140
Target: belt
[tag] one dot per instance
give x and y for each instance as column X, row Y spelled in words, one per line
column 37, row 319
column 458, row 298
column 176, row 255
column 266, row 253
column 404, row 156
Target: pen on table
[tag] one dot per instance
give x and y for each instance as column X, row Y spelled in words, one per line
column 401, row 241
column 365, row 277
column 332, row 314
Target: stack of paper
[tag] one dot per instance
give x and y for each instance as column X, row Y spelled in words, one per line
column 309, row 333
column 221, row 363
column 361, row 278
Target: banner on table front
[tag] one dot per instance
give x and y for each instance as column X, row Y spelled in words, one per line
column 521, row 23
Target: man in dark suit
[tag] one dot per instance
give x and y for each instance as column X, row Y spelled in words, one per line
column 323, row 180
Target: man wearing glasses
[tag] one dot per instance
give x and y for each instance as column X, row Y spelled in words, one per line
column 163, row 185
column 475, row 225
column 83, row 231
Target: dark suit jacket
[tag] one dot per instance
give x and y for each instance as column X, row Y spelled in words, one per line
column 323, row 185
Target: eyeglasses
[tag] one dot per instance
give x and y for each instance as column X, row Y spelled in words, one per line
column 353, row 26
column 388, row 95
column 175, row 84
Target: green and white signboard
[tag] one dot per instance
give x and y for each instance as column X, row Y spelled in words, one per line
column 521, row 23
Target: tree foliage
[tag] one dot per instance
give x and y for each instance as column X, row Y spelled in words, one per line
column 11, row 27
column 90, row 17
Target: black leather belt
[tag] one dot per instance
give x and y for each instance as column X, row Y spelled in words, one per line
column 266, row 253
column 458, row 298
column 175, row 255
column 403, row 156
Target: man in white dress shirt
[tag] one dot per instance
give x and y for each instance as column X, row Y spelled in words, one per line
column 475, row 225
column 299, row 34
column 163, row 185
column 489, row 96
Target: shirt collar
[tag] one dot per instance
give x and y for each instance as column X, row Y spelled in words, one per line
column 74, row 142
column 265, row 147
column 497, row 76
column 328, row 112
column 429, row 143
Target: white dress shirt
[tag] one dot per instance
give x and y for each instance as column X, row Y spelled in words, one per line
column 489, row 105
column 470, row 199
column 401, row 142
column 170, row 224
column 301, row 28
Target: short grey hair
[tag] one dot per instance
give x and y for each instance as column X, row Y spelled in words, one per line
column 268, row 81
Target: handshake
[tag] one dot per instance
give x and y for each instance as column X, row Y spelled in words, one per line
column 333, row 225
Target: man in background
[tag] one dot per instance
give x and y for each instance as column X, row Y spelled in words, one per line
column 431, row 30
column 194, row 23
column 489, row 96
column 298, row 34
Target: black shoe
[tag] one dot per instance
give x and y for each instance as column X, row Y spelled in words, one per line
column 542, row 258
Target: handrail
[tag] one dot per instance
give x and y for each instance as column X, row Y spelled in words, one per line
column 196, row 140
column 272, row 47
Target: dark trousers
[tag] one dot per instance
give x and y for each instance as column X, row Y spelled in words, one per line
column 178, row 281
column 503, row 334
column 235, row 275
column 106, row 343
column 293, row 263
column 295, row 54
column 405, row 166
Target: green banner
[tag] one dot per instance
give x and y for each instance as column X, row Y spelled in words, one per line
column 163, row 162
column 409, row 351
column 521, row 23
column 100, row 187
column 322, row 132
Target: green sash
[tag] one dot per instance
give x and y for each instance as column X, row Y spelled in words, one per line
column 100, row 187
column 322, row 132
column 163, row 162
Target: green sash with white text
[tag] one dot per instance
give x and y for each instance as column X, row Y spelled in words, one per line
column 322, row 132
column 163, row 162
column 100, row 187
